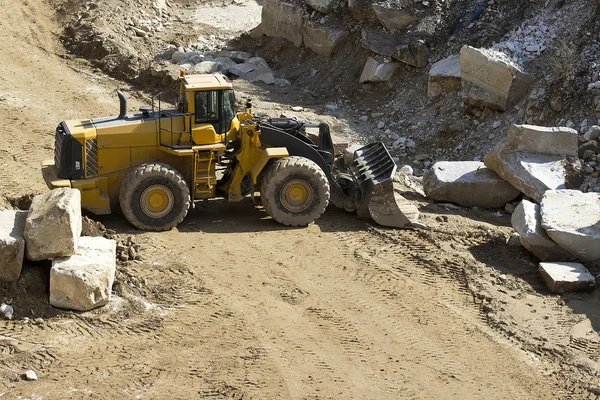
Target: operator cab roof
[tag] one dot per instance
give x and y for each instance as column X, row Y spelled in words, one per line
column 206, row 82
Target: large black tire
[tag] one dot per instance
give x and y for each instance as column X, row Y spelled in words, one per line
column 295, row 191
column 154, row 197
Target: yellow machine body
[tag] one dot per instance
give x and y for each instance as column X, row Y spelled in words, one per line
column 95, row 156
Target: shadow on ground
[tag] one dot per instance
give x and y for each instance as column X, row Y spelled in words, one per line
column 221, row 216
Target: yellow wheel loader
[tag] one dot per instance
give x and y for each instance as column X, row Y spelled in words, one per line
column 156, row 163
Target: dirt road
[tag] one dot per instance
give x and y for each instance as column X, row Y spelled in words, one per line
column 239, row 307
column 234, row 306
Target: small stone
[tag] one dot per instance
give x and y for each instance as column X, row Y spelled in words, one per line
column 363, row 118
column 39, row 321
column 349, row 154
column 380, row 125
column 30, row 375
column 496, row 124
column 556, row 104
column 509, row 208
column 588, row 155
column 406, row 170
column 297, row 108
column 139, row 32
column 514, row 240
column 123, row 256
column 7, row 310
column 593, row 133
column 132, row 253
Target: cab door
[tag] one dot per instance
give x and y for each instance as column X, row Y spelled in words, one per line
column 207, row 122
column 214, row 111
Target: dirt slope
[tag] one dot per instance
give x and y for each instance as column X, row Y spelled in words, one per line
column 38, row 89
column 234, row 306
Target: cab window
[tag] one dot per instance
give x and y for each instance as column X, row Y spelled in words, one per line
column 207, row 106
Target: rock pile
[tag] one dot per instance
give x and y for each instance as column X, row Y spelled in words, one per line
column 535, row 159
column 321, row 26
column 128, row 250
column 542, row 164
column 83, row 268
column 235, row 64
column 488, row 77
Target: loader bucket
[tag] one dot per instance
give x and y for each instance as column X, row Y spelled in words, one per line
column 373, row 168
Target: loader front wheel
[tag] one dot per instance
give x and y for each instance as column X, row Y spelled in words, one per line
column 154, row 197
column 295, row 191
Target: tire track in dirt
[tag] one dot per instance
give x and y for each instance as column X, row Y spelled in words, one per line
column 364, row 303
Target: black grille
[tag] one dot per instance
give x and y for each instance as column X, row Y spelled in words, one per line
column 91, row 158
column 62, row 151
column 68, row 154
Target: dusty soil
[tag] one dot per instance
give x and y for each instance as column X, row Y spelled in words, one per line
column 234, row 306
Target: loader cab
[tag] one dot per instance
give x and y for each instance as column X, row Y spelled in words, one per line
column 209, row 100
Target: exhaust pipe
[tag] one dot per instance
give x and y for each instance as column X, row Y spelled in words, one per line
column 123, row 104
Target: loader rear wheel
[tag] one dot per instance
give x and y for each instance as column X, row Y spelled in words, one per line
column 295, row 191
column 154, row 197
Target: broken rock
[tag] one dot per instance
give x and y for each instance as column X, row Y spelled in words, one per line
column 205, row 67
column 572, row 219
column 258, row 62
column 282, row 19
column 491, row 79
column 393, row 19
column 375, row 71
column 563, row 277
column 361, row 9
column 84, row 281
column 350, row 154
column 535, row 159
column 527, row 221
column 259, row 76
column 322, row 39
column 411, row 51
column 224, row 64
column 444, row 77
column 12, row 244
column 234, row 55
column 468, row 183
column 241, row 69
column 53, row 225
column 323, row 6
